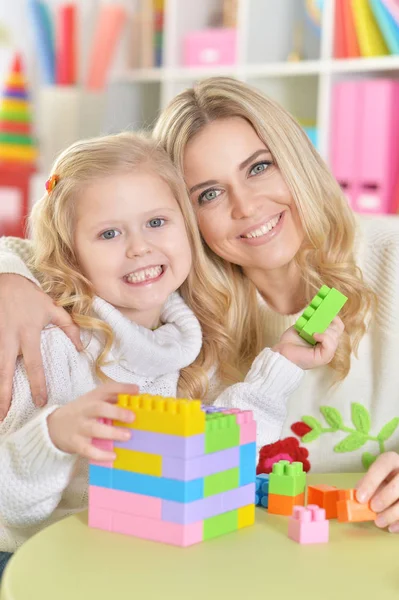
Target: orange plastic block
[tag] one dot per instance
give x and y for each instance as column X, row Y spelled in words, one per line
column 324, row 496
column 284, row 505
column 350, row 510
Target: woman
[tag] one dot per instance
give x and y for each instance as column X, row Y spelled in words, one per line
column 277, row 227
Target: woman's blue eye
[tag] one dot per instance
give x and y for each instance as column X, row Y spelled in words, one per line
column 259, row 168
column 156, row 222
column 110, row 234
column 208, row 196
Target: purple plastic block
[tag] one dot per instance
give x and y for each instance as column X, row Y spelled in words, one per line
column 241, row 496
column 174, row 446
column 190, row 512
column 201, row 466
column 213, row 409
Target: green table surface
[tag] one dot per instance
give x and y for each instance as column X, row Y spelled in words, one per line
column 70, row 561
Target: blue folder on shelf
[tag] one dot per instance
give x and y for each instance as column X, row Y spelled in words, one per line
column 387, row 24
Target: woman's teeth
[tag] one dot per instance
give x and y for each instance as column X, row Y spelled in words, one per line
column 264, row 229
column 144, row 275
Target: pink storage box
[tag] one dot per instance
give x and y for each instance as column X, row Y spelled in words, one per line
column 210, row 47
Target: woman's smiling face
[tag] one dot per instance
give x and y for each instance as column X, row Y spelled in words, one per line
column 245, row 210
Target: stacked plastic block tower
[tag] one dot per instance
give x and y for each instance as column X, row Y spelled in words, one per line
column 186, row 475
column 18, row 151
column 16, row 138
column 287, row 484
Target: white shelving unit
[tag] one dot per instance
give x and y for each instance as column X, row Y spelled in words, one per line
column 267, row 33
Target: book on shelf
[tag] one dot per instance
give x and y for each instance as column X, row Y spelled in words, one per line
column 230, row 8
column 366, row 28
column 146, row 35
column 387, row 25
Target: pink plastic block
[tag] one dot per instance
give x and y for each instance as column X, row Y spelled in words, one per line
column 126, row 502
column 210, row 47
column 378, row 147
column 107, row 445
column 345, row 134
column 201, row 466
column 147, row 529
column 308, row 525
column 247, row 425
column 100, row 518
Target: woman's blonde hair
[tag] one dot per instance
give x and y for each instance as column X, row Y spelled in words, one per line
column 327, row 253
column 52, row 226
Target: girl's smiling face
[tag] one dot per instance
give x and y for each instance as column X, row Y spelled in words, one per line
column 131, row 243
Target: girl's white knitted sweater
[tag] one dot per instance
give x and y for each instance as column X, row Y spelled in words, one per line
column 40, row 484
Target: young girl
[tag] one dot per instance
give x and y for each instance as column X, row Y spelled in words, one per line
column 114, row 238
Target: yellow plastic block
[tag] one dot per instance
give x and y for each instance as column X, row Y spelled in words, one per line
column 139, row 462
column 18, row 152
column 246, row 516
column 15, row 79
column 164, row 415
column 15, row 104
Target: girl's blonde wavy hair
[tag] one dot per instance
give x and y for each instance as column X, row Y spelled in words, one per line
column 52, row 227
column 327, row 253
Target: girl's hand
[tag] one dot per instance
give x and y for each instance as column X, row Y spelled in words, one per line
column 298, row 351
column 380, row 485
column 24, row 311
column 73, row 426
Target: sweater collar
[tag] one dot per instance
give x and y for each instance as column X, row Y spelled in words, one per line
column 171, row 347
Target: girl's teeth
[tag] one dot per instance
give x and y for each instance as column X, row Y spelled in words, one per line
column 144, row 275
column 264, row 229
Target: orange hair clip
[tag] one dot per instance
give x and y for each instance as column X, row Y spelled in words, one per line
column 51, row 183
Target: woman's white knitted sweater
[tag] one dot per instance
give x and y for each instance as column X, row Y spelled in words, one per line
column 40, row 484
column 342, row 428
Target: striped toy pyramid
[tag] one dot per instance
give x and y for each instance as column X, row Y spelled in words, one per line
column 17, row 144
column 186, row 475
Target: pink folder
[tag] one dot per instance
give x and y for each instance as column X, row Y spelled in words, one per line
column 345, row 134
column 365, row 143
column 379, row 147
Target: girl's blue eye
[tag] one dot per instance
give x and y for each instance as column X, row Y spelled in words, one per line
column 208, row 196
column 110, row 234
column 259, row 168
column 156, row 223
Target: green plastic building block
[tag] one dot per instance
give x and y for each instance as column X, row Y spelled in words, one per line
column 221, row 524
column 221, row 432
column 287, row 479
column 321, row 311
column 221, row 482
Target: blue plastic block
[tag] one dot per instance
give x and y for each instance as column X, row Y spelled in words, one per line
column 247, row 463
column 262, row 490
column 159, row 487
